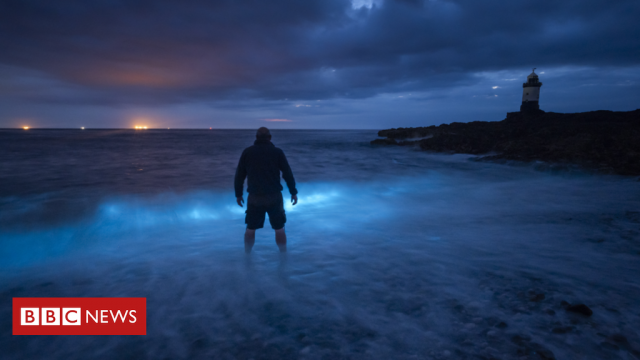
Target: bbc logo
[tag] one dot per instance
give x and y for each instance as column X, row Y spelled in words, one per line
column 50, row 316
column 79, row 316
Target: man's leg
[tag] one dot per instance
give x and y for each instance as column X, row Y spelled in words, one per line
column 249, row 239
column 281, row 240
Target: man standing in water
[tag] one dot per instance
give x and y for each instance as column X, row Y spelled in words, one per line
column 261, row 164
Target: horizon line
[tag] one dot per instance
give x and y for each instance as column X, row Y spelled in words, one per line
column 133, row 129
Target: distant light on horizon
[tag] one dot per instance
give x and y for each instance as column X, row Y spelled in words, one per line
column 25, row 127
column 82, row 128
column 139, row 127
column 495, row 87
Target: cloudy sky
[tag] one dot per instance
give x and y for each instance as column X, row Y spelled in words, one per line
column 342, row 64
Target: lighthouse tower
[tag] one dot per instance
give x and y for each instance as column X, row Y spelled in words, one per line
column 531, row 93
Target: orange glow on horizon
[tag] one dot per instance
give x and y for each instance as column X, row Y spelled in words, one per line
column 140, row 127
column 25, row 127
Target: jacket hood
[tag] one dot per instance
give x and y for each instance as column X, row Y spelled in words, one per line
column 262, row 141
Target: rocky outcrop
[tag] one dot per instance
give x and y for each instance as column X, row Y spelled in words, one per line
column 607, row 141
column 580, row 309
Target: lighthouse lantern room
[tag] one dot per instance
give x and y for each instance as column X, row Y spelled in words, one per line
column 531, row 93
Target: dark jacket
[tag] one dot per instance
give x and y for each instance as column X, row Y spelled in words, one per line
column 261, row 164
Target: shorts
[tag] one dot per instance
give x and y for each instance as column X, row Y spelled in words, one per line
column 258, row 205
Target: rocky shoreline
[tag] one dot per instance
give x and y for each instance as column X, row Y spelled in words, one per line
column 606, row 141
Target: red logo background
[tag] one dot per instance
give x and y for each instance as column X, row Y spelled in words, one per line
column 111, row 327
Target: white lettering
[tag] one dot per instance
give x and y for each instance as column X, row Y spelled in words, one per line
column 29, row 316
column 134, row 318
column 50, row 316
column 103, row 316
column 95, row 319
column 118, row 315
column 71, row 316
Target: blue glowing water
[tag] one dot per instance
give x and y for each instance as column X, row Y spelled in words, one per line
column 393, row 252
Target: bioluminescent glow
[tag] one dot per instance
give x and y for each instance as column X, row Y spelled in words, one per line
column 314, row 200
column 115, row 219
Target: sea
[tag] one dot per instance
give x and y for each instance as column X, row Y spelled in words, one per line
column 393, row 253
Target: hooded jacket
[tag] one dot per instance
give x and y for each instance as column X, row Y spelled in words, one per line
column 261, row 164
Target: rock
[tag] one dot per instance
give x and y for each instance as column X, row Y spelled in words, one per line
column 619, row 339
column 384, row 142
column 580, row 309
column 501, row 325
column 532, row 350
column 520, row 339
column 542, row 352
column 407, row 133
column 562, row 329
column 604, row 141
column 536, row 297
column 610, row 346
column 633, row 216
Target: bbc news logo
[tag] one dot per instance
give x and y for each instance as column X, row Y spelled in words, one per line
column 79, row 316
column 71, row 316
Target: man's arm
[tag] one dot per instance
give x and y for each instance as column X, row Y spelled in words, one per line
column 238, row 182
column 287, row 175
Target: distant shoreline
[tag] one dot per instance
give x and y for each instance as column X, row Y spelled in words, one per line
column 606, row 141
column 165, row 129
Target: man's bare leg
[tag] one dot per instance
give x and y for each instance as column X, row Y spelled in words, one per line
column 281, row 240
column 249, row 240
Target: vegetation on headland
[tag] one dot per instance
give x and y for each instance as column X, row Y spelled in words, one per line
column 607, row 141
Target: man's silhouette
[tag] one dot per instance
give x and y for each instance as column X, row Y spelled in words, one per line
column 261, row 164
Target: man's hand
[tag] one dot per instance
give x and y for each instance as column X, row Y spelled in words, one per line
column 240, row 201
column 294, row 199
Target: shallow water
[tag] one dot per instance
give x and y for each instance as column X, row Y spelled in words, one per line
column 392, row 252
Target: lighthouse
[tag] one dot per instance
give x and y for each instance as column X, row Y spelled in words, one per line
column 531, row 93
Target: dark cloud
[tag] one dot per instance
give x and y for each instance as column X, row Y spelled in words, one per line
column 145, row 52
